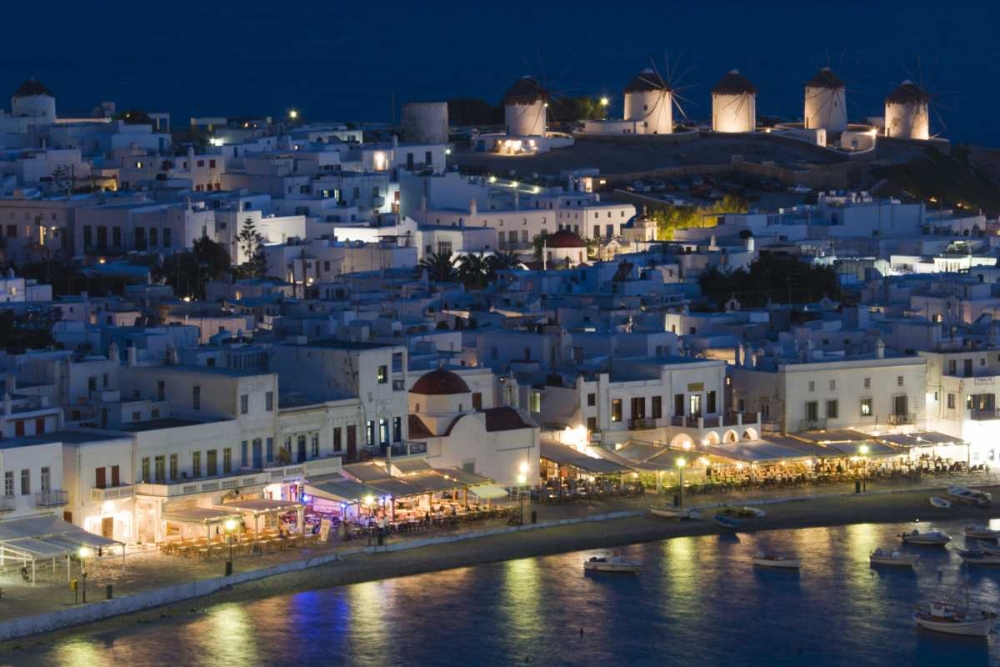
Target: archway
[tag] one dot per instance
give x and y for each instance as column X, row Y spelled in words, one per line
column 731, row 436
column 682, row 441
column 750, row 434
column 711, row 438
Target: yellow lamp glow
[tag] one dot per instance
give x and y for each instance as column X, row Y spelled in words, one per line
column 369, row 500
column 863, row 450
column 522, row 479
column 86, row 552
column 680, row 462
column 293, row 114
column 604, row 101
column 230, row 525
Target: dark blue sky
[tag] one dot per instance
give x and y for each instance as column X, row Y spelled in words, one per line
column 342, row 60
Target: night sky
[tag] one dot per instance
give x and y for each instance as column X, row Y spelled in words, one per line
column 342, row 60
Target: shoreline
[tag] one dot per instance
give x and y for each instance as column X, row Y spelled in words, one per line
column 903, row 507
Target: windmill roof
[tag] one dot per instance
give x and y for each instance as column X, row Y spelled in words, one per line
column 906, row 93
column 645, row 81
column 734, row 83
column 32, row 87
column 525, row 91
column 825, row 78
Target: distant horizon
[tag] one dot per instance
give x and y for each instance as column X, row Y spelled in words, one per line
column 342, row 65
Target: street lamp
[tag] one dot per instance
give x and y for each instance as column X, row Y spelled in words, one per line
column 604, row 101
column 293, row 114
column 230, row 527
column 522, row 481
column 680, row 463
column 863, row 451
column 85, row 553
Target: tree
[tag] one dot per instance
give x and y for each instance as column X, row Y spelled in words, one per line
column 251, row 245
column 473, row 111
column 187, row 272
column 440, row 266
column 503, row 260
column 538, row 243
column 577, row 108
column 771, row 278
column 670, row 218
column 472, row 270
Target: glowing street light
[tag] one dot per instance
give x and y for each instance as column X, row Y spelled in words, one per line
column 293, row 114
column 230, row 527
column 605, row 101
column 863, row 452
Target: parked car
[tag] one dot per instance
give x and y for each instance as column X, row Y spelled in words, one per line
column 800, row 189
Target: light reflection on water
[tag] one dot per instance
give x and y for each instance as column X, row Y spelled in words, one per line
column 697, row 601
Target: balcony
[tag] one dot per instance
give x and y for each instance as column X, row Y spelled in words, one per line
column 8, row 503
column 51, row 498
column 903, row 418
column 112, row 493
column 398, row 449
column 189, row 487
column 984, row 414
column 324, row 466
column 812, row 424
column 641, row 424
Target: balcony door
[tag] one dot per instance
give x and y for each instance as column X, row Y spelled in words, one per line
column 899, row 406
column 258, row 455
column 694, row 403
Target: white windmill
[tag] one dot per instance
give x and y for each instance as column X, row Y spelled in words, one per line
column 734, row 104
column 649, row 103
column 525, row 105
column 825, row 102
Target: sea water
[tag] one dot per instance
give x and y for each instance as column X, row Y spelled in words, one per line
column 698, row 601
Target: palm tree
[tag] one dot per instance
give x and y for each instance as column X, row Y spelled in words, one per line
column 472, row 271
column 503, row 260
column 440, row 266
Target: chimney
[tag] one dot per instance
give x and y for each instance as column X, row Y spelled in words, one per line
column 879, row 349
column 132, row 354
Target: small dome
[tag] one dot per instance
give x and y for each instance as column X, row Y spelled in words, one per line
column 734, row 83
column 646, row 81
column 564, row 238
column 825, row 78
column 525, row 91
column 440, row 383
column 907, row 93
column 31, row 88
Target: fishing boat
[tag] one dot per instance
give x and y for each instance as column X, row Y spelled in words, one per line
column 616, row 564
column 669, row 512
column 978, row 557
column 981, row 532
column 940, row 503
column 989, row 547
column 727, row 521
column 895, row 558
column 762, row 559
column 932, row 538
column 741, row 513
column 967, row 496
column 949, row 618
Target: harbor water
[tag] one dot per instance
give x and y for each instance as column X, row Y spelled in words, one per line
column 698, row 601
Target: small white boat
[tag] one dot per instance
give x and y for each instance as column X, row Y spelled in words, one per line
column 967, row 496
column 981, row 532
column 932, row 538
column 978, row 557
column 669, row 512
column 762, row 559
column 882, row 557
column 615, row 564
column 949, row 618
column 940, row 503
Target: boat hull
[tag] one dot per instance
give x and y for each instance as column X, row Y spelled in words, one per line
column 897, row 561
column 727, row 521
column 975, row 628
column 612, row 568
column 672, row 513
column 781, row 564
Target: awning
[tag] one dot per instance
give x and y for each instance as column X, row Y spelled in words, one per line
column 47, row 537
column 921, row 439
column 340, row 490
column 408, row 465
column 463, row 477
column 489, row 491
column 756, row 452
column 568, row 456
column 395, row 487
column 200, row 515
column 261, row 506
column 365, row 472
column 432, row 482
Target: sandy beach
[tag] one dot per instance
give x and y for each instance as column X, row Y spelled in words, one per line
column 905, row 508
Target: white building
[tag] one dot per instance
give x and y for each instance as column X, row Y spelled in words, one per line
column 907, row 114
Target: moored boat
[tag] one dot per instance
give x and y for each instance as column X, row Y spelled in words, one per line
column 616, row 564
column 669, row 512
column 742, row 512
column 762, row 559
column 895, row 558
column 932, row 538
column 727, row 521
column 978, row 557
column 940, row 503
column 967, row 496
column 981, row 532
column 989, row 547
column 949, row 618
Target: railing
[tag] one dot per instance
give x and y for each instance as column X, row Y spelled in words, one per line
column 8, row 503
column 112, row 493
column 51, row 498
column 812, row 424
column 405, row 448
column 902, row 419
column 641, row 424
column 984, row 415
column 188, row 487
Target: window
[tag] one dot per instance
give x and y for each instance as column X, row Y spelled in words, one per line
column 8, row 484
column 741, row 405
column 26, row 482
column 46, row 480
column 196, row 464
column 383, row 374
column 160, row 469
column 161, row 390
column 812, row 386
column 145, row 469
column 616, row 410
column 951, row 401
column 314, row 447
column 338, row 443
column 173, row 468
column 227, row 460
column 167, row 240
column 812, row 411
column 899, row 380
column 212, row 464
column 244, row 454
column 269, row 401
column 868, row 383
column 710, row 402
column 536, row 401
column 196, row 398
column 270, row 450
column 244, row 404
column 833, row 385
column 397, row 429
column 866, row 407
column 831, row 410
column 657, row 408
column 591, row 400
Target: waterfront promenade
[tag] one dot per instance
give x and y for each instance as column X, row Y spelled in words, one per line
column 561, row 528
